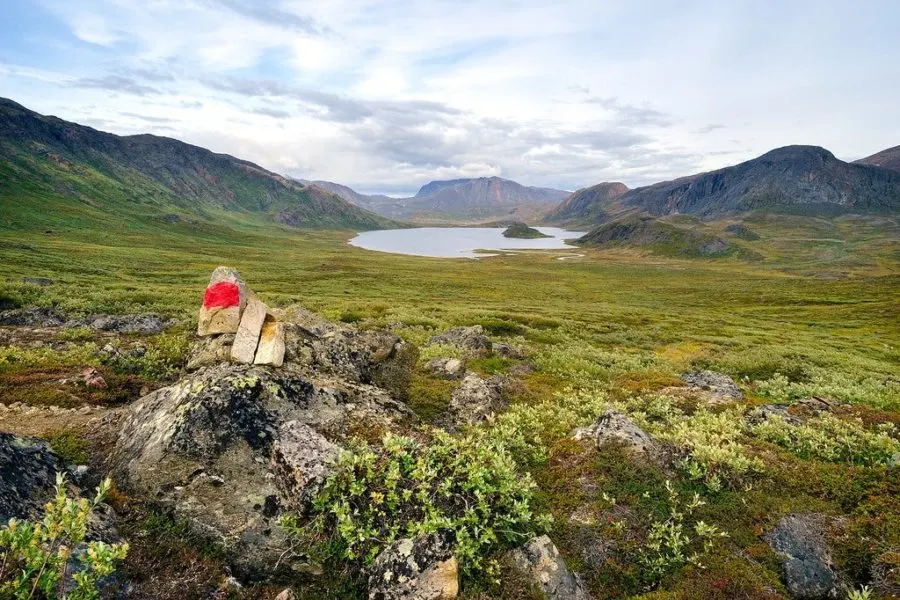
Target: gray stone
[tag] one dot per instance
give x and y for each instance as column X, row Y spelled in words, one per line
column 763, row 412
column 504, row 350
column 286, row 594
column 301, row 459
column 471, row 339
column 800, row 541
column 27, row 474
column 144, row 324
column 476, row 398
column 243, row 349
column 210, row 350
column 270, row 350
column 32, row 317
column 419, row 569
column 447, row 368
column 721, row 387
column 540, row 562
column 42, row 281
column 617, row 427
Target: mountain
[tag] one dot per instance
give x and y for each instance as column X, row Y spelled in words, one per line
column 805, row 179
column 657, row 236
column 478, row 199
column 54, row 172
column 583, row 204
column 886, row 159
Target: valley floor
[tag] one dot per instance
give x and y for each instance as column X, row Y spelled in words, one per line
column 816, row 314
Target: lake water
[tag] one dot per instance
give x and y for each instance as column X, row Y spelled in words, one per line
column 458, row 242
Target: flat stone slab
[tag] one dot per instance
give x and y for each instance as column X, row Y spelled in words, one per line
column 247, row 338
column 270, row 350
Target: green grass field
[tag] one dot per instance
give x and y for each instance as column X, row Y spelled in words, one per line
column 817, row 312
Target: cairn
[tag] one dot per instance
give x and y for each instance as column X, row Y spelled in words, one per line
column 231, row 308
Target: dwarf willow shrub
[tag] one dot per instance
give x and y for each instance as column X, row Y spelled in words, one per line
column 403, row 489
column 48, row 559
column 829, row 438
column 584, row 365
column 715, row 454
column 863, row 387
column 675, row 541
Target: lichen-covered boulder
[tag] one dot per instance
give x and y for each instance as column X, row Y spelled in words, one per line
column 210, row 350
column 614, row 426
column 476, row 398
column 801, row 543
column 540, row 563
column 232, row 447
column 472, row 339
column 419, row 569
column 718, row 387
column 27, row 474
column 504, row 350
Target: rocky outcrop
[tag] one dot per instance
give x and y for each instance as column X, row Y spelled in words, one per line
column 232, row 447
column 471, row 339
column 446, row 368
column 27, row 474
column 614, row 426
column 539, row 561
column 800, row 542
column 476, row 398
column 712, row 388
column 144, row 324
column 504, row 350
column 419, row 569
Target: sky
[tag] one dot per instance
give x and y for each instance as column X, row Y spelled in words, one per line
column 387, row 95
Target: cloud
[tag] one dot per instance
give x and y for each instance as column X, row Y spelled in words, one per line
column 709, row 128
column 271, row 112
column 115, row 83
column 628, row 114
column 264, row 12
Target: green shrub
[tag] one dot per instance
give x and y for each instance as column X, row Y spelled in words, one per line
column 403, row 488
column 37, row 557
column 76, row 334
column 829, row 438
column 69, row 446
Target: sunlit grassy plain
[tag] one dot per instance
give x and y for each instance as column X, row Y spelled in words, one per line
column 817, row 313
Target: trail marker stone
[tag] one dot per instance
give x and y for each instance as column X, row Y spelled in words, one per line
column 245, row 342
column 223, row 303
column 270, row 350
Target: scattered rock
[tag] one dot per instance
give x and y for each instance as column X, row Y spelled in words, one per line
column 145, row 324
column 448, row 368
column 615, row 426
column 471, row 339
column 42, row 281
column 243, row 349
column 476, row 398
column 420, row 569
column 762, row 413
column 27, row 475
column 32, row 317
column 223, row 302
column 504, row 350
column 800, row 541
column 541, row 563
column 286, row 594
column 719, row 388
column 210, row 350
column 270, row 350
column 93, row 378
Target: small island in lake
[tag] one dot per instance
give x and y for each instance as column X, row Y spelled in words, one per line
column 523, row 232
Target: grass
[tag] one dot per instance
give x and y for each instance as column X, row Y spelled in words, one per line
column 810, row 316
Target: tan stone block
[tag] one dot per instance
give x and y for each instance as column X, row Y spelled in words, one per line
column 247, row 338
column 270, row 350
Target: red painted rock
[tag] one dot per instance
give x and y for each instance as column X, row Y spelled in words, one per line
column 223, row 303
column 93, row 378
column 243, row 350
column 270, row 350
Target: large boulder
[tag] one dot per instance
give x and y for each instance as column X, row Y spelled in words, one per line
column 801, row 543
column 231, row 448
column 540, row 563
column 416, row 569
column 476, row 398
column 614, row 426
column 27, row 475
column 471, row 339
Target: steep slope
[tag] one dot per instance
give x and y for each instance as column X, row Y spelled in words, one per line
column 53, row 171
column 366, row 201
column 886, row 159
column 586, row 205
column 458, row 194
column 800, row 179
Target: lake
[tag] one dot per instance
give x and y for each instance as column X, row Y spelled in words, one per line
column 458, row 242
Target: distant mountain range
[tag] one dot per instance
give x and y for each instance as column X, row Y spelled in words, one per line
column 887, row 159
column 457, row 199
column 804, row 179
column 57, row 173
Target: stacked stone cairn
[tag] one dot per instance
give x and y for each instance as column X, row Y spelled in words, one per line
column 230, row 308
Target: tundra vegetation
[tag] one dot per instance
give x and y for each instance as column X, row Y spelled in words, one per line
column 816, row 312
